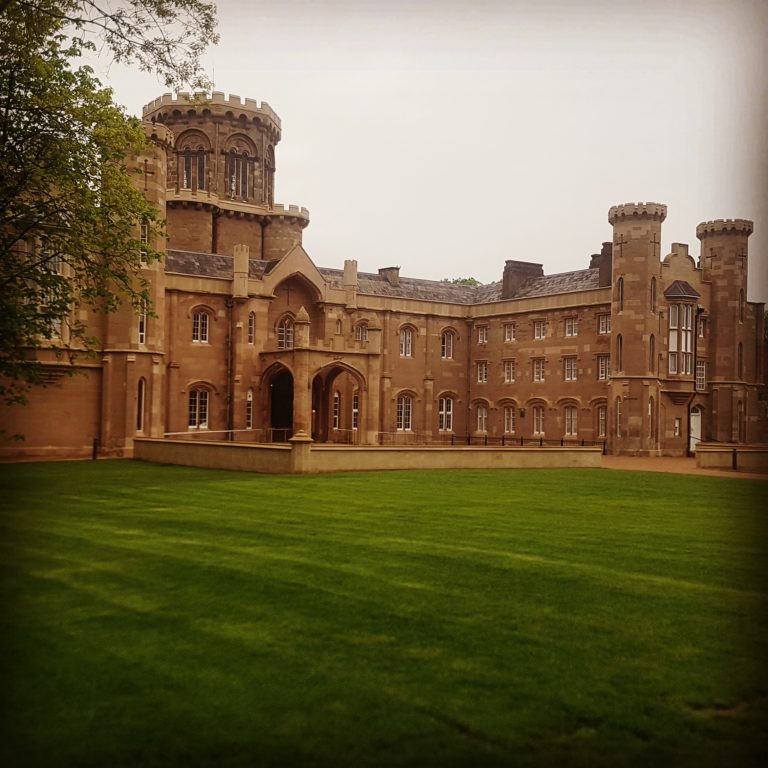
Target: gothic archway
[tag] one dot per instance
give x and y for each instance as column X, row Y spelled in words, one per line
column 281, row 406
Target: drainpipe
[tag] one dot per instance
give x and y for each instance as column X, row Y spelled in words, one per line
column 230, row 366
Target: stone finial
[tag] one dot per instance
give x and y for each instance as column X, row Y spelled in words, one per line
column 302, row 316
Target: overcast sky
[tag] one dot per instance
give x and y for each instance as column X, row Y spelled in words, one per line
column 447, row 136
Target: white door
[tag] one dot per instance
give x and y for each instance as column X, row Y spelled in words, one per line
column 695, row 429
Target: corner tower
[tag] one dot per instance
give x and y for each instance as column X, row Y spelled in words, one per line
column 636, row 265
column 221, row 176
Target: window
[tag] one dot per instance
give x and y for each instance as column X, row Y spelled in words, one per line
column 406, row 342
column 603, row 367
column 339, row 327
column 144, row 240
column 361, row 332
column 445, row 414
column 701, row 375
column 142, row 335
column 192, row 163
column 650, row 417
column 702, row 327
column 446, row 345
column 619, row 353
column 237, row 174
column 538, row 369
column 740, row 362
column 620, row 293
column 741, row 305
column 673, row 316
column 336, row 409
column 571, row 326
column 539, row 329
column 249, row 409
column 603, row 323
column 482, row 372
column 673, row 362
column 510, row 371
column 482, row 334
column 538, row 419
column 678, row 427
column 140, row 394
column 570, row 368
column 509, row 419
column 200, row 327
column 618, row 417
column 404, row 413
column 571, row 420
column 198, row 408
column 355, row 410
column 509, row 331
column 285, row 333
column 251, row 327
column 652, row 353
column 602, row 420
column 653, row 295
column 482, row 418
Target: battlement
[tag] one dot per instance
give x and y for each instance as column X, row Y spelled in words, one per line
column 298, row 212
column 724, row 227
column 218, row 103
column 629, row 211
column 158, row 133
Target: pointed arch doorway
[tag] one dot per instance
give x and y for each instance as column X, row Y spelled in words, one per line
column 280, row 406
column 337, row 405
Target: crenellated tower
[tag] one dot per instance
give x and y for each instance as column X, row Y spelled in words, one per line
column 221, row 176
column 635, row 389
column 734, row 338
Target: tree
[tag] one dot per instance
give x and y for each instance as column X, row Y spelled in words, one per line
column 70, row 213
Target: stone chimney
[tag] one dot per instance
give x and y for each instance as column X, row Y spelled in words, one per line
column 350, row 273
column 240, row 271
column 391, row 275
column 515, row 274
column 604, row 262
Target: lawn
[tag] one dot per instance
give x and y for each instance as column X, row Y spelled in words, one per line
column 164, row 616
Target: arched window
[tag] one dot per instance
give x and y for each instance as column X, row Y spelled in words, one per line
column 404, row 421
column 571, row 420
column 620, row 293
column 336, row 410
column 619, row 353
column 652, row 354
column 249, row 409
column 361, row 332
column 650, row 418
column 192, row 168
column 602, row 420
column 482, row 418
column 285, row 333
column 339, row 327
column 509, row 419
column 406, row 342
column 251, row 327
column 237, row 174
column 198, row 408
column 740, row 362
column 355, row 410
column 538, row 419
column 618, row 417
column 741, row 305
column 446, row 345
column 141, row 389
column 445, row 414
column 653, row 294
column 200, row 323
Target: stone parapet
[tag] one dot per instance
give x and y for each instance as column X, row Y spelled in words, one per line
column 631, row 211
column 724, row 227
column 158, row 134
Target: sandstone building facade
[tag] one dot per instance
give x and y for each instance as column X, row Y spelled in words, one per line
column 250, row 340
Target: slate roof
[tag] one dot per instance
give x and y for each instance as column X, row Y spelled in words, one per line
column 680, row 289
column 216, row 265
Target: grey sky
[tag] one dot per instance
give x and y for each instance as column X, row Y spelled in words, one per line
column 446, row 137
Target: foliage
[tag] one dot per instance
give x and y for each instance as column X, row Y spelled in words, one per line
column 69, row 227
column 167, row 37
column 461, row 281
column 484, row 618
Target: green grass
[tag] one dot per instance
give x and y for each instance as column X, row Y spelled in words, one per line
column 163, row 616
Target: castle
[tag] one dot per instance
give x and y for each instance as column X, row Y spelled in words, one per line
column 250, row 340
